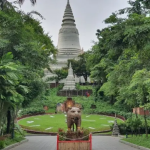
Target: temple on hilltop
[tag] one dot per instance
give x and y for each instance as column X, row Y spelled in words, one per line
column 68, row 42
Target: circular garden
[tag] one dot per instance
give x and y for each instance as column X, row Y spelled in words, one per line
column 51, row 123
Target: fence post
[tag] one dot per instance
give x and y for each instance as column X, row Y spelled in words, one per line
column 57, row 142
column 90, row 141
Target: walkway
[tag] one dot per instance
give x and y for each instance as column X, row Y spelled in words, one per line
column 49, row 143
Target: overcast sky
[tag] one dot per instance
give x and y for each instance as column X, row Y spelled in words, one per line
column 89, row 16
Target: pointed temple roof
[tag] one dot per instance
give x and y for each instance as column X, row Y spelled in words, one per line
column 68, row 17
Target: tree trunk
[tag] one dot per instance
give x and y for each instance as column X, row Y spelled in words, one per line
column 145, row 117
column 3, row 112
column 136, row 113
column 8, row 121
column 112, row 100
column 1, row 115
column 85, row 77
column 146, row 127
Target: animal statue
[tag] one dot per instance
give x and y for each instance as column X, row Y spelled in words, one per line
column 74, row 117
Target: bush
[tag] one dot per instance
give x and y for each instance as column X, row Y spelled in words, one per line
column 67, row 136
column 32, row 110
column 2, row 144
column 132, row 126
column 17, row 138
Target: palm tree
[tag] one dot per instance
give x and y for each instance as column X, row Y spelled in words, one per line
column 32, row 1
column 2, row 3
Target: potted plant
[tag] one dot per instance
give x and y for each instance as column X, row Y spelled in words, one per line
column 74, row 140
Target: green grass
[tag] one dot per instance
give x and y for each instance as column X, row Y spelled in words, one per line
column 52, row 124
column 139, row 140
column 50, row 110
column 85, row 87
column 10, row 141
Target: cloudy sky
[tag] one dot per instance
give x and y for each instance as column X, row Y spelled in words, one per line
column 89, row 16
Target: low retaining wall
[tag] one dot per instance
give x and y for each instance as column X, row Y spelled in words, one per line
column 73, row 92
column 25, row 116
column 37, row 132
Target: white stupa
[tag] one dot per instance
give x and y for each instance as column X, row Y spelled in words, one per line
column 68, row 40
column 70, row 80
column 68, row 43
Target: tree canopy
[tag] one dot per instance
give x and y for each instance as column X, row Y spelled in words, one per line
column 79, row 66
column 25, row 51
column 121, row 56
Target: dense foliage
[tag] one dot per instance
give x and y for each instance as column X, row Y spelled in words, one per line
column 121, row 58
column 25, row 51
column 59, row 74
column 5, row 2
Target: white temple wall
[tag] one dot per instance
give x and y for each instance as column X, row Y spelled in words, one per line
column 68, row 40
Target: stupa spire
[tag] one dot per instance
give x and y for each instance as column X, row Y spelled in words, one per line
column 68, row 17
column 70, row 65
column 68, row 39
column 70, row 80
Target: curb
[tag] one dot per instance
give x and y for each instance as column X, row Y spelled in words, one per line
column 38, row 132
column 133, row 145
column 16, row 144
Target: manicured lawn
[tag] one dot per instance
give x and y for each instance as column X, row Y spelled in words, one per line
column 139, row 140
column 51, row 123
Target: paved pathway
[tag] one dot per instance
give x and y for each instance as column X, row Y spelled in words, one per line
column 109, row 143
column 49, row 143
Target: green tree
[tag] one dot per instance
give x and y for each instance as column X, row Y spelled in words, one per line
column 29, row 45
column 23, row 37
column 10, row 79
column 140, row 89
column 79, row 66
column 123, row 54
column 59, row 75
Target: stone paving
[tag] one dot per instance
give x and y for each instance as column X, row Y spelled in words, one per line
column 109, row 143
column 49, row 143
column 38, row 143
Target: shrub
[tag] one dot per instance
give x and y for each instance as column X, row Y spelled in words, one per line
column 32, row 110
column 2, row 144
column 17, row 138
column 67, row 136
column 132, row 126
